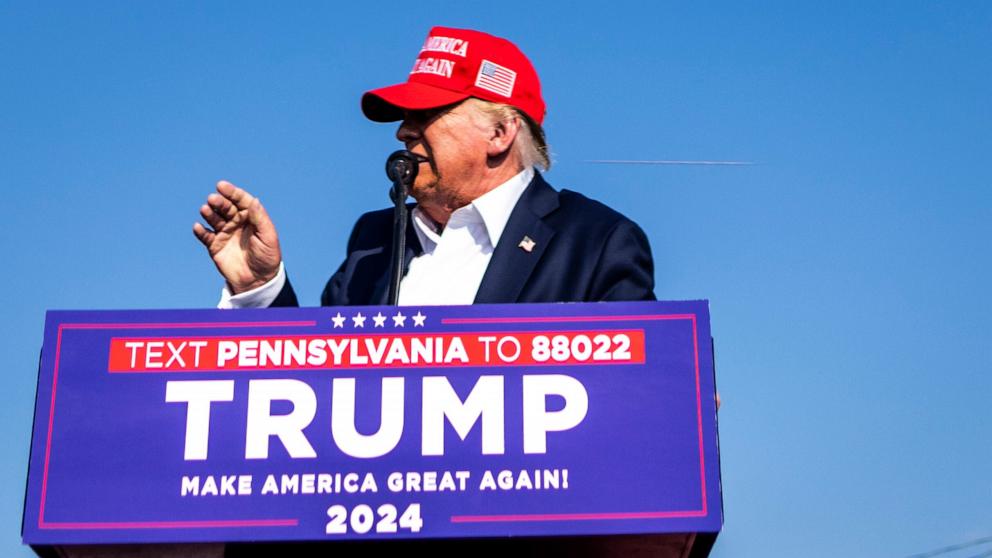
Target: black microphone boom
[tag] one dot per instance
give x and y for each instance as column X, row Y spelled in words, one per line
column 401, row 168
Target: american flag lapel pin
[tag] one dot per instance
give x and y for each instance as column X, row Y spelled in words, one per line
column 527, row 244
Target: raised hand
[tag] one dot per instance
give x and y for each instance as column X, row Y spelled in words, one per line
column 241, row 239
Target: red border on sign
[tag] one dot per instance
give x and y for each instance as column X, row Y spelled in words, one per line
column 703, row 512
column 331, row 368
column 42, row 524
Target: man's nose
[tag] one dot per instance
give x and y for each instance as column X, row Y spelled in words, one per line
column 408, row 131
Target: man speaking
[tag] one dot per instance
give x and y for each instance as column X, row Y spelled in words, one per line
column 486, row 227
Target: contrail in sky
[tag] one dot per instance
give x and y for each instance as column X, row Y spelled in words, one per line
column 666, row 162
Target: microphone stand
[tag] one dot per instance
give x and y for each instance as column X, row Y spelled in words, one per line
column 401, row 168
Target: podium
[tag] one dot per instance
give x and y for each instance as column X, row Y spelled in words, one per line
column 563, row 429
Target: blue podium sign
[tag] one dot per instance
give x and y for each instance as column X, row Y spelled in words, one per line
column 374, row 422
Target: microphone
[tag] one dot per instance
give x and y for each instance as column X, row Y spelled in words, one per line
column 401, row 168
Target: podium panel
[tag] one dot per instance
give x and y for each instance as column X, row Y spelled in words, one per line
column 525, row 428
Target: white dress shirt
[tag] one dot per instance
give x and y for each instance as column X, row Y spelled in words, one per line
column 453, row 263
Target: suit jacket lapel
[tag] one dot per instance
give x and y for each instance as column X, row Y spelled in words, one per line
column 511, row 265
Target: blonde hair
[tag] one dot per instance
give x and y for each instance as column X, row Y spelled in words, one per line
column 530, row 144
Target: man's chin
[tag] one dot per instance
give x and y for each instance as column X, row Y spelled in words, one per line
column 424, row 188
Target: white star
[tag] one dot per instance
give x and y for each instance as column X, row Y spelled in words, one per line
column 418, row 319
column 399, row 320
column 379, row 320
column 359, row 320
column 338, row 320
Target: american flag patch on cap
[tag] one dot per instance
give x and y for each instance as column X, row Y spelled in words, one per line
column 496, row 78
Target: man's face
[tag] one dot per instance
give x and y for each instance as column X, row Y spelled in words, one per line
column 455, row 139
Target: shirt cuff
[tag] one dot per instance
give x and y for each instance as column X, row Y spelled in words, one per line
column 259, row 297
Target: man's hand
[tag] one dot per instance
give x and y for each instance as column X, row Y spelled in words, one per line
column 241, row 239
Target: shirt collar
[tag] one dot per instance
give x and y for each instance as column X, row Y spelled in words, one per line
column 494, row 207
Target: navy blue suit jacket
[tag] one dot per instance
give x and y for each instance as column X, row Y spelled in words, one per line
column 583, row 252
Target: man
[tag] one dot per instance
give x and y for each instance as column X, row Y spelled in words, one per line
column 486, row 228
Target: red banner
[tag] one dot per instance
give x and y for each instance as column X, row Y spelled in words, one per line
column 190, row 354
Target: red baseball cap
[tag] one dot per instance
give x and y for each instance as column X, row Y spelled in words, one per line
column 455, row 64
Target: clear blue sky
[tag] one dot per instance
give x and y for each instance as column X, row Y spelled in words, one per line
column 848, row 271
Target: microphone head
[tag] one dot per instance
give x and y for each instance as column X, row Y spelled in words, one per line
column 402, row 166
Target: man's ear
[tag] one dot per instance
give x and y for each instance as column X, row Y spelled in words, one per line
column 503, row 135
